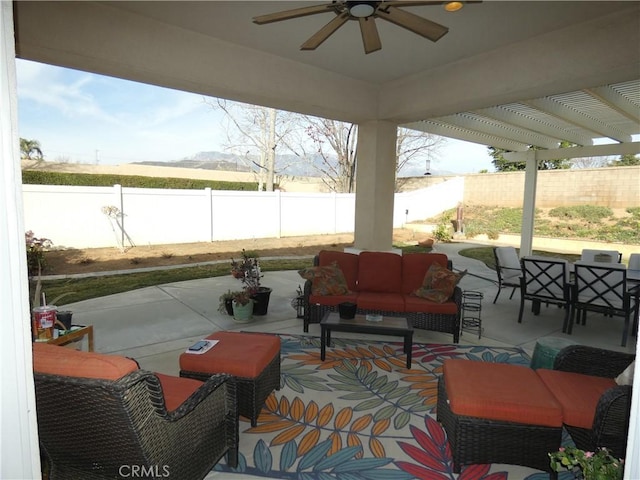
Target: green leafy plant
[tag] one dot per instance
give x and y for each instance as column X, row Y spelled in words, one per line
column 224, row 298
column 242, row 297
column 442, row 233
column 36, row 247
column 599, row 465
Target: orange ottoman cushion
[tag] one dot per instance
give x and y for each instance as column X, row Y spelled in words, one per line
column 578, row 394
column 243, row 355
column 499, row 391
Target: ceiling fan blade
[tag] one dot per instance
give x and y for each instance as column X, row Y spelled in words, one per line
column 414, row 3
column 426, row 28
column 419, row 3
column 325, row 32
column 370, row 37
column 294, row 13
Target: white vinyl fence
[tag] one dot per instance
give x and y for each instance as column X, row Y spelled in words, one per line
column 92, row 217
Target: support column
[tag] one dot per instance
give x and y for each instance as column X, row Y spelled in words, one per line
column 529, row 205
column 375, row 185
column 20, row 454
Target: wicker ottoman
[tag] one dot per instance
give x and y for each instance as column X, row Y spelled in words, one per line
column 252, row 358
column 498, row 413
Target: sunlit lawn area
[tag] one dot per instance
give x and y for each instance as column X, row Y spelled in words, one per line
column 100, row 286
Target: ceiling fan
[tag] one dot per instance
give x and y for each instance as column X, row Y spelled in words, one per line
column 365, row 12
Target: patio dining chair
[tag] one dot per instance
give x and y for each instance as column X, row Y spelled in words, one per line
column 545, row 279
column 508, row 269
column 600, row 287
column 601, row 256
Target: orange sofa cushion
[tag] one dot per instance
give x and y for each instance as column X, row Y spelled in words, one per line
column 388, row 302
column 415, row 267
column 500, row 391
column 578, row 394
column 380, row 272
column 176, row 389
column 332, row 300
column 348, row 263
column 243, row 355
column 57, row 360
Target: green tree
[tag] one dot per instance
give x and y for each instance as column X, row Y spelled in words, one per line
column 30, row 149
column 502, row 165
column 625, row 161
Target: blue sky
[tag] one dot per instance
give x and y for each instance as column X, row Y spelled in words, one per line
column 81, row 117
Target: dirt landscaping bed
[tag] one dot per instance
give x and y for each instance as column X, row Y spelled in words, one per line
column 72, row 261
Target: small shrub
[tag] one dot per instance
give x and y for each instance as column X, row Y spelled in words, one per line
column 36, row 247
column 166, row 255
column 135, row 261
column 442, row 233
column 86, row 261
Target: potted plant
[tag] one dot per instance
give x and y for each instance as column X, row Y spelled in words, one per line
column 298, row 302
column 247, row 269
column 599, row 465
column 242, row 306
column 226, row 302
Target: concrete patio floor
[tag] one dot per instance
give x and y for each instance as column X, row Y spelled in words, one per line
column 156, row 324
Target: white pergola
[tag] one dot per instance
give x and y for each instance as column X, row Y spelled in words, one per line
column 507, row 74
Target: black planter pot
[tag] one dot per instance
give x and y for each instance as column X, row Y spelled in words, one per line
column 64, row 317
column 261, row 301
column 228, row 305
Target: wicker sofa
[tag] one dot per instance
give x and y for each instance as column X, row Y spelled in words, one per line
column 384, row 283
column 101, row 417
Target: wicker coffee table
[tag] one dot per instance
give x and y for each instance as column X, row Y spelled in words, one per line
column 395, row 326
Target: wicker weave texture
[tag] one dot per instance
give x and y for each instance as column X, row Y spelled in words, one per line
column 611, row 420
column 94, row 428
column 252, row 392
column 314, row 313
column 481, row 441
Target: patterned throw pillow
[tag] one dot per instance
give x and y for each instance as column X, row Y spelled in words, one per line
column 439, row 283
column 327, row 280
column 433, row 295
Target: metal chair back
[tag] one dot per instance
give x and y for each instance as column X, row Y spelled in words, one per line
column 600, row 287
column 508, row 269
column 545, row 279
column 600, row 256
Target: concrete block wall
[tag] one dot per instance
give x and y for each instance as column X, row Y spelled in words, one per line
column 616, row 187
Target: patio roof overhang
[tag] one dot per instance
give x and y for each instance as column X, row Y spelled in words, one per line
column 508, row 74
column 608, row 114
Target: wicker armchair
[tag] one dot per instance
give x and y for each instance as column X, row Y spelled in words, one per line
column 99, row 428
column 611, row 421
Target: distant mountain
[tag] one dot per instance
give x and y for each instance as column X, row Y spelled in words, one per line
column 285, row 164
column 289, row 165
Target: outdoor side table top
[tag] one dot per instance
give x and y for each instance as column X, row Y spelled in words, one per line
column 393, row 326
column 74, row 335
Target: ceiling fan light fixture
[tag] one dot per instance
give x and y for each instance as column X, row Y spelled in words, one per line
column 361, row 9
column 453, row 6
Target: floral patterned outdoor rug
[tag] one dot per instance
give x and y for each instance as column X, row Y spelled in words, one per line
column 360, row 415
